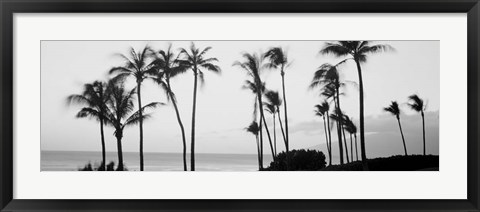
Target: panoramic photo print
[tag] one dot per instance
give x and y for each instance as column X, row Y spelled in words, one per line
column 240, row 105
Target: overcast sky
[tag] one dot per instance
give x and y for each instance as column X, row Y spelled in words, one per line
column 224, row 109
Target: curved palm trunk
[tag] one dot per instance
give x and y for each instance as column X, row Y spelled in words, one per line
column 345, row 142
column 102, row 166
column 274, row 135
column 192, row 148
column 362, row 118
column 326, row 140
column 269, row 138
column 119, row 152
column 258, row 154
column 339, row 128
column 285, row 109
column 260, row 125
column 182, row 129
column 423, row 126
column 281, row 126
column 329, row 137
column 403, row 138
column 351, row 147
column 356, row 149
column 140, row 124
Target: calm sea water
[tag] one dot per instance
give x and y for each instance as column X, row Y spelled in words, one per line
column 72, row 161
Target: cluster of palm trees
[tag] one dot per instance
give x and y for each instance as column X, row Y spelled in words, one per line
column 327, row 78
column 254, row 65
column 111, row 103
column 418, row 105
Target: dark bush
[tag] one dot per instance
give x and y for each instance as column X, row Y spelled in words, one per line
column 299, row 160
column 97, row 167
column 393, row 163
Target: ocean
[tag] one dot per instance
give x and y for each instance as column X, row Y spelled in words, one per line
column 73, row 160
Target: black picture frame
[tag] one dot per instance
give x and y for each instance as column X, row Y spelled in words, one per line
column 9, row 7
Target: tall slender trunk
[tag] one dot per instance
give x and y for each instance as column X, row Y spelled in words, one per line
column 269, row 138
column 119, row 151
column 423, row 126
column 339, row 127
column 326, row 140
column 329, row 137
column 351, row 147
column 281, row 126
column 345, row 142
column 274, row 135
column 140, row 123
column 356, row 149
column 285, row 109
column 260, row 125
column 258, row 154
column 102, row 166
column 362, row 118
column 179, row 120
column 192, row 148
column 403, row 138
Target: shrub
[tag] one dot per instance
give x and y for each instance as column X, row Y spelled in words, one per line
column 97, row 167
column 392, row 163
column 299, row 160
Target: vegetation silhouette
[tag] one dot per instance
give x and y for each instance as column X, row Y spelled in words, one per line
column 93, row 98
column 112, row 105
column 417, row 104
column 395, row 110
column 168, row 66
column 195, row 60
column 138, row 67
column 358, row 50
column 254, row 129
column 321, row 110
column 121, row 112
column 299, row 160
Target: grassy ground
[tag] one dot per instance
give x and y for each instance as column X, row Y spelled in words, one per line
column 393, row 163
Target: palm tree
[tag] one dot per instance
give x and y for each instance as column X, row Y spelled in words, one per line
column 359, row 51
column 277, row 58
column 119, row 113
column 138, row 67
column 168, row 67
column 322, row 111
column 254, row 129
column 252, row 66
column 195, row 60
column 338, row 117
column 273, row 104
column 93, row 97
column 417, row 104
column 351, row 129
column 270, row 108
column 327, row 76
column 395, row 110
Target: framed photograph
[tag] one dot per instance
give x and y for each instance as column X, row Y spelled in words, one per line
column 225, row 106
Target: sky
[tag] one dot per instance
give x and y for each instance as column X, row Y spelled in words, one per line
column 224, row 109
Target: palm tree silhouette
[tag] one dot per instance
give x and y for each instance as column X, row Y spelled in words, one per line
column 254, row 129
column 395, row 110
column 327, row 76
column 322, row 111
column 417, row 104
column 273, row 107
column 94, row 98
column 277, row 58
column 252, row 66
column 119, row 113
column 138, row 67
column 359, row 51
column 168, row 67
column 195, row 59
column 349, row 126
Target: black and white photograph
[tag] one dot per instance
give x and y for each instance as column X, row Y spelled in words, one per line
column 239, row 105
